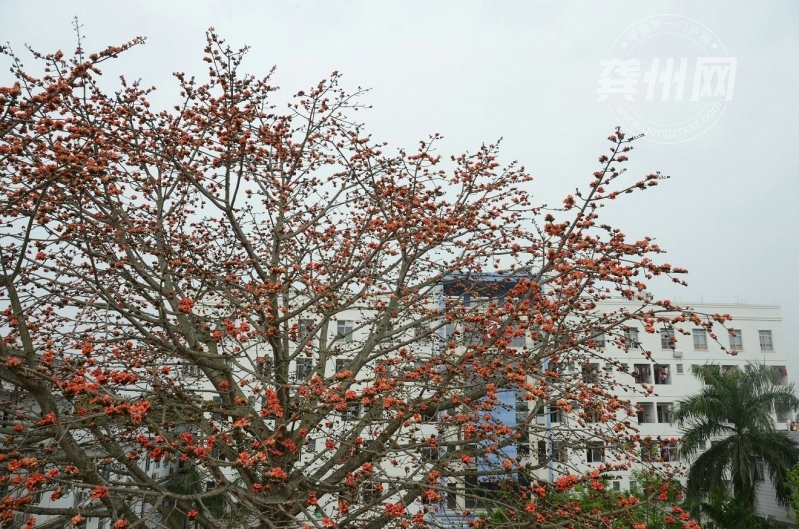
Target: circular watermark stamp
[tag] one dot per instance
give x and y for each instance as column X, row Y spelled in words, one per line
column 668, row 77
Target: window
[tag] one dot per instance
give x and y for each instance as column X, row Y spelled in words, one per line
column 649, row 451
column 782, row 375
column 522, row 409
column 765, row 341
column 310, row 446
column 344, row 330
column 371, row 492
column 559, row 451
column 305, row 330
column 617, row 486
column 542, row 452
column 664, row 413
column 591, row 373
column 758, row 470
column 216, row 414
column 667, row 338
column 518, row 340
column 669, row 453
column 523, row 444
column 555, row 415
column 600, row 340
column 449, row 331
column 662, row 375
column 304, row 366
column 736, row 340
column 642, row 373
column 340, row 365
column 352, row 411
column 592, row 413
column 679, row 369
column 700, row 339
column 631, row 337
column 595, row 454
column 430, row 414
column 431, row 453
column 645, row 412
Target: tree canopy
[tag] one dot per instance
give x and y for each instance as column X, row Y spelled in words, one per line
column 240, row 313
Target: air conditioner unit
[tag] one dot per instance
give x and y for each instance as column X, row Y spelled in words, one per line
column 677, row 353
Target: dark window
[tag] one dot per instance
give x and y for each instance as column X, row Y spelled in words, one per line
column 595, row 454
column 353, row 411
column 304, row 366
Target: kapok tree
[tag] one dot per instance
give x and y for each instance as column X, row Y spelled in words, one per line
column 241, row 314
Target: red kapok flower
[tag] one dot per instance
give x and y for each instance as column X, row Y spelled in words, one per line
column 185, row 305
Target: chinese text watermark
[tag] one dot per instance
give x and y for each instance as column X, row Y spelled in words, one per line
column 668, row 77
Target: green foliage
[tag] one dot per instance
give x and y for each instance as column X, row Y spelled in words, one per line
column 724, row 512
column 654, row 502
column 793, row 483
column 737, row 407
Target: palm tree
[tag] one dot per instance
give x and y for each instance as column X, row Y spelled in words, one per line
column 735, row 410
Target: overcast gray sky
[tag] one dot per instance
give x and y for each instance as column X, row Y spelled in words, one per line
column 530, row 72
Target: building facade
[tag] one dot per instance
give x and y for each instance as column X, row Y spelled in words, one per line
column 628, row 359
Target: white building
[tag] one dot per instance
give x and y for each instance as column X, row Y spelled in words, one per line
column 757, row 337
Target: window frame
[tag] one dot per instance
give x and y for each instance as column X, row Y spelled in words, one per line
column 344, row 330
column 305, row 328
column 700, row 339
column 595, row 453
column 736, row 339
column 631, row 337
column 599, row 340
column 758, row 470
column 669, row 453
column 665, row 371
column 304, row 366
column 666, row 342
column 766, row 333
column 352, row 412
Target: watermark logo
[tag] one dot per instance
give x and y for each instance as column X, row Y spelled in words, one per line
column 668, row 77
